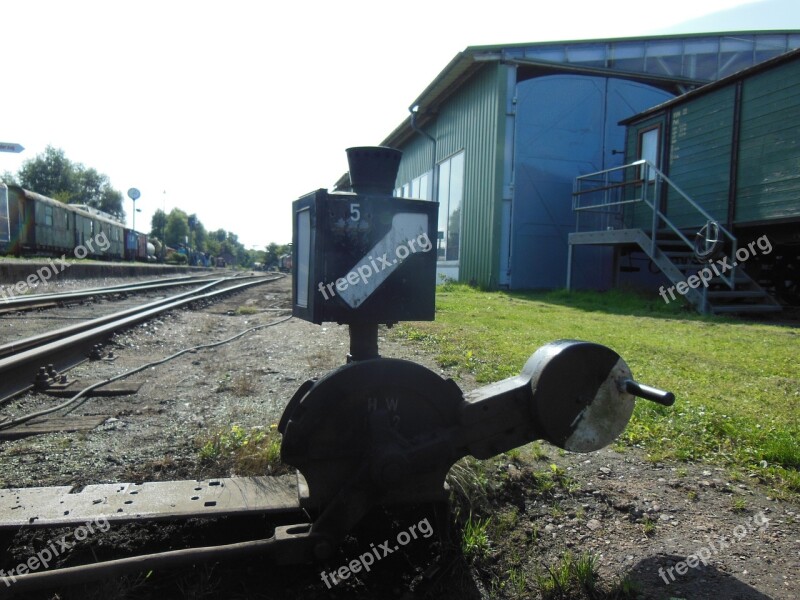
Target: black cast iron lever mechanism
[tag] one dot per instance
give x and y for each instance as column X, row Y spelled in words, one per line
column 386, row 431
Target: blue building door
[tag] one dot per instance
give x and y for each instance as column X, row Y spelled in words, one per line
column 566, row 125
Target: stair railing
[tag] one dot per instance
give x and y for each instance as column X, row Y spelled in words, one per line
column 608, row 193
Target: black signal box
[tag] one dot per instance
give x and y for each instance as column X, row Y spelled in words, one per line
column 363, row 258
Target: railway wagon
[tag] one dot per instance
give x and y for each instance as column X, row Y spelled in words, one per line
column 285, row 263
column 135, row 245
column 733, row 147
column 38, row 224
column 5, row 231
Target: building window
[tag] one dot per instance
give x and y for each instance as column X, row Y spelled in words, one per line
column 420, row 187
column 451, row 195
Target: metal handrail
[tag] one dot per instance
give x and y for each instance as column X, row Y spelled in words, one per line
column 651, row 176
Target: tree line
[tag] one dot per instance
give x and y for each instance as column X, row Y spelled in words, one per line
column 53, row 175
column 180, row 230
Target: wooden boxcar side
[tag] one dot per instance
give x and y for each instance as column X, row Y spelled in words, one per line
column 768, row 170
column 141, row 246
column 699, row 156
column 135, row 245
column 107, row 239
column 54, row 223
column 5, row 229
column 21, row 212
column 83, row 228
column 733, row 147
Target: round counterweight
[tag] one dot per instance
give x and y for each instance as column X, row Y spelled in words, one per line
column 579, row 398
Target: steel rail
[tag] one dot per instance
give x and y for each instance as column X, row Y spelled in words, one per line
column 28, row 301
column 289, row 544
column 18, row 371
column 38, row 340
column 129, row 283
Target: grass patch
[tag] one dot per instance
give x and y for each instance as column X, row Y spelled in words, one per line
column 244, row 452
column 736, row 382
column 475, row 539
column 469, row 485
column 570, row 577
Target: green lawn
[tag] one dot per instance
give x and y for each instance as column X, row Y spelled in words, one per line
column 736, row 382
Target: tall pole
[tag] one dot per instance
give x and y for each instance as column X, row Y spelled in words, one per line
column 134, row 195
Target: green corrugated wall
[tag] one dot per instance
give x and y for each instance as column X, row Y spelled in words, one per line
column 416, row 159
column 769, row 150
column 472, row 119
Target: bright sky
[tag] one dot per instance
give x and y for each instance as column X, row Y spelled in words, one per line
column 233, row 109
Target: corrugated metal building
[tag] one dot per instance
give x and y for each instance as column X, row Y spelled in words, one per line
column 500, row 135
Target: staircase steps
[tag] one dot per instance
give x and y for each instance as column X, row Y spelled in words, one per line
column 671, row 249
column 746, row 296
column 734, row 295
column 746, row 308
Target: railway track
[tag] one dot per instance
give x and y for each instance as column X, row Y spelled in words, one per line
column 31, row 301
column 39, row 361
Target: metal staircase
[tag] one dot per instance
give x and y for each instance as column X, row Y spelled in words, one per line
column 703, row 266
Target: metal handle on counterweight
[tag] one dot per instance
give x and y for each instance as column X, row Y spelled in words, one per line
column 649, row 393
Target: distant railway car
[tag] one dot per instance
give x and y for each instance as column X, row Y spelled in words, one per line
column 5, row 229
column 37, row 224
column 285, row 263
column 83, row 228
column 54, row 227
column 135, row 245
column 114, row 233
column 142, row 253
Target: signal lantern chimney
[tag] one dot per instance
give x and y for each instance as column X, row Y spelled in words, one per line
column 373, row 169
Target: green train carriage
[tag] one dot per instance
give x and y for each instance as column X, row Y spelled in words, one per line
column 36, row 224
column 733, row 147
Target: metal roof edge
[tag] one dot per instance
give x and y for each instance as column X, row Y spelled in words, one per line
column 710, row 87
column 637, row 38
column 651, row 78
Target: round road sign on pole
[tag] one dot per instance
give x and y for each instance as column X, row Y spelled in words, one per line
column 133, row 194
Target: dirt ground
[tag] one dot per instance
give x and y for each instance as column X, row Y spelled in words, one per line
column 644, row 522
